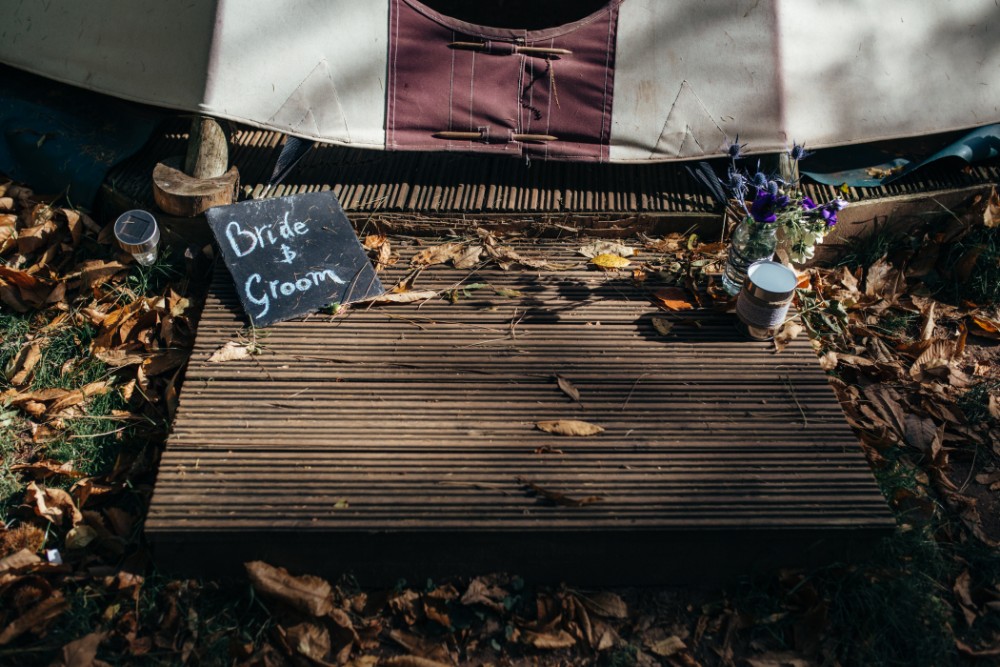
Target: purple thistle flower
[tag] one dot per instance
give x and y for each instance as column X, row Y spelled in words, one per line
column 735, row 149
column 737, row 184
column 772, row 188
column 759, row 180
column 798, row 152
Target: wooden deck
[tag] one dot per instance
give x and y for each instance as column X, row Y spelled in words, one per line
column 400, row 441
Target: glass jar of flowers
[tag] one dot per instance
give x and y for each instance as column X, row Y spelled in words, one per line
column 776, row 215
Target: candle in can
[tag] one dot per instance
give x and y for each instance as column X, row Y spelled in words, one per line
column 764, row 300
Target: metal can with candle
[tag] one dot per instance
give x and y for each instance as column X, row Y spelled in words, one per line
column 763, row 302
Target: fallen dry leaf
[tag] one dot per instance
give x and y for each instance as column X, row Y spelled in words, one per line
column 46, row 468
column 480, row 592
column 54, row 505
column 556, row 497
column 883, row 280
column 548, row 640
column 986, row 327
column 20, row 368
column 36, row 618
column 309, row 639
column 404, row 297
column 420, row 647
column 927, row 328
column 787, row 332
column 662, row 325
column 19, row 560
column 779, row 659
column 964, row 596
column 569, row 427
column 608, row 261
column 991, row 216
column 605, row 604
column 567, row 388
column 80, row 536
column 306, row 593
column 411, row 661
column 80, row 652
column 438, row 254
column 667, row 647
column 231, row 351
column 592, row 250
column 97, row 272
column 673, row 298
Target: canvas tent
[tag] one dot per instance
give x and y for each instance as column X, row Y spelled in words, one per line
column 634, row 80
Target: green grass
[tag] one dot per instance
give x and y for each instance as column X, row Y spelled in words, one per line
column 898, row 324
column 975, row 401
column 155, row 278
column 983, row 284
column 66, row 362
column 866, row 249
column 14, row 330
column 895, row 609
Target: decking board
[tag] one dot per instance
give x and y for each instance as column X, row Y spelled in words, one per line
column 411, row 428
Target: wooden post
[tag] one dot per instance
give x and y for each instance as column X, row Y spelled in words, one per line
column 205, row 181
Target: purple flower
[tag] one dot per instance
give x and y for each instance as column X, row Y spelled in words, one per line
column 838, row 204
column 829, row 214
column 772, row 188
column 765, row 205
column 759, row 180
column 808, row 204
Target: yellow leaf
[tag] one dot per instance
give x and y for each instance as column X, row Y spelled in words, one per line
column 608, row 261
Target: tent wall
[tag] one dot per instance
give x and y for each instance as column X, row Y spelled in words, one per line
column 688, row 74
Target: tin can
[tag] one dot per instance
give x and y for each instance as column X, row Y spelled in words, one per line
column 764, row 299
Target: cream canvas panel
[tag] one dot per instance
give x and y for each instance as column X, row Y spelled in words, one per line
column 141, row 50
column 312, row 68
column 687, row 74
column 817, row 72
column 865, row 70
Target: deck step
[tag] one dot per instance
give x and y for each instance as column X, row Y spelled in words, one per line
column 401, row 441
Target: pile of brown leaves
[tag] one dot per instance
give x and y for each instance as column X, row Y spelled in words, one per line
column 464, row 622
column 87, row 526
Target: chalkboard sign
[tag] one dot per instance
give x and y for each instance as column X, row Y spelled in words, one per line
column 292, row 255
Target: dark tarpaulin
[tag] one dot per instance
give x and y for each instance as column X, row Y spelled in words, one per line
column 60, row 139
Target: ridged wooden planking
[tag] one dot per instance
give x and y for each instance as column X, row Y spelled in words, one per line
column 382, row 181
column 412, row 427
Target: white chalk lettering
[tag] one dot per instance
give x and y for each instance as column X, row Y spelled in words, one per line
column 244, row 241
column 263, row 300
column 234, row 232
column 261, row 293
column 289, row 254
column 319, row 276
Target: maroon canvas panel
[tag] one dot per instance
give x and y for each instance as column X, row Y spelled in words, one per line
column 496, row 92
